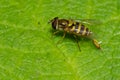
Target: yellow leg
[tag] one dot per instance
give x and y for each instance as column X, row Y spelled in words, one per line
column 54, row 33
column 62, row 38
column 76, row 38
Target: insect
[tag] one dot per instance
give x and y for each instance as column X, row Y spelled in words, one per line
column 72, row 27
column 96, row 43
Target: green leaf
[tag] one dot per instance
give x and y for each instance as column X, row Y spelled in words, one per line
column 27, row 51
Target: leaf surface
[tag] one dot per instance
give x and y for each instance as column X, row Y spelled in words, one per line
column 27, row 51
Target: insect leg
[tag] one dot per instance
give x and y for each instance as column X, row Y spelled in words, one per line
column 54, row 33
column 76, row 38
column 62, row 38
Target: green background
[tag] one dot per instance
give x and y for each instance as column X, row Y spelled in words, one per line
column 27, row 51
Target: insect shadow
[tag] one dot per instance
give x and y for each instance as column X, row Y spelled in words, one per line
column 71, row 37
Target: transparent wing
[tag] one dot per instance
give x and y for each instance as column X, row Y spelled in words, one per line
column 89, row 21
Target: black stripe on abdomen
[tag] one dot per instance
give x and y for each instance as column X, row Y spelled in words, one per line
column 82, row 29
column 76, row 27
column 87, row 32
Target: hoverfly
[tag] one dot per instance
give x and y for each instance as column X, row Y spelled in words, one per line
column 76, row 28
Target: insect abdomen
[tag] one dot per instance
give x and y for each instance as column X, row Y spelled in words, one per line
column 80, row 29
column 84, row 31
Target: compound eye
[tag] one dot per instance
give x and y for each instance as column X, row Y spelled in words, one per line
column 54, row 24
